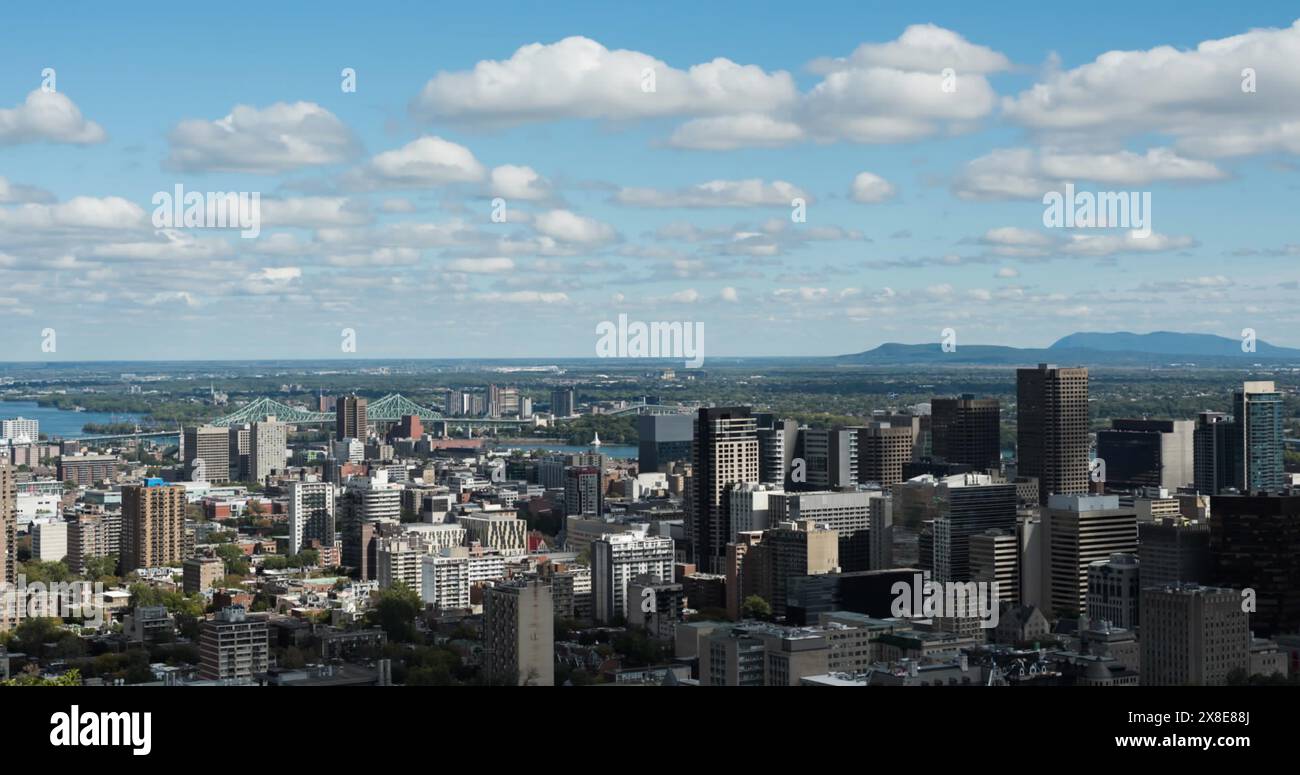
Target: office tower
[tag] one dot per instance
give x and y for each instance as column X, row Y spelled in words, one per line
column 1174, row 551
column 1214, row 455
column 350, row 418
column 966, row 430
column 519, row 634
column 663, row 439
column 1254, row 544
column 210, row 444
column 234, row 645
column 563, row 402
column 8, row 525
column 847, row 513
column 787, row 551
column 504, row 532
column 725, row 452
column 1114, row 587
column 1078, row 530
column 1257, row 437
column 917, row 424
column 1147, row 453
column 1192, row 635
column 616, row 559
column 830, row 458
column 20, row 430
column 268, row 444
column 995, row 558
column 883, row 450
column 582, row 491
column 751, row 506
column 1052, row 429
column 882, row 531
column 311, row 514
column 153, row 525
column 200, row 574
column 968, row 504
column 777, row 443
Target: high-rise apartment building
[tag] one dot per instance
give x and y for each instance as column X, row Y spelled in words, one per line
column 563, row 402
column 268, row 445
column 209, row 444
column 1052, row 429
column 616, row 559
column 582, row 491
column 311, row 514
column 519, row 634
column 8, row 525
column 234, row 645
column 966, row 430
column 153, row 525
column 350, row 418
column 20, row 430
column 1257, row 437
column 725, row 453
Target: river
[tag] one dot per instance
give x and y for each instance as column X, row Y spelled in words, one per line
column 63, row 423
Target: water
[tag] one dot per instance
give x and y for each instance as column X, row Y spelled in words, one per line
column 609, row 450
column 63, row 423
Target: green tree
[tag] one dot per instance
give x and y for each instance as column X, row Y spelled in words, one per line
column 395, row 610
column 70, row 678
column 755, row 607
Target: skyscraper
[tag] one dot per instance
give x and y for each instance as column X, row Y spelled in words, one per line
column 1052, row 429
column 882, row 451
column 1257, row 435
column 1147, row 453
column 663, row 439
column 1214, row 456
column 1079, row 530
column 350, row 418
column 777, row 441
column 563, row 403
column 8, row 525
column 966, row 430
column 969, row 504
column 830, row 456
column 1254, row 544
column 153, row 524
column 726, row 452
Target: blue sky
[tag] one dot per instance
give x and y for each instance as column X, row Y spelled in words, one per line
column 668, row 205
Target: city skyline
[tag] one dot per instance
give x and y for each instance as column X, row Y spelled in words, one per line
column 668, row 199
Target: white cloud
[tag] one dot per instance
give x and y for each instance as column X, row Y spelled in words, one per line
column 513, row 182
column 82, row 212
column 716, row 193
column 47, row 117
column 1025, row 173
column 725, row 133
column 730, row 294
column 272, row 279
column 481, row 265
column 17, row 193
column 524, row 297
column 567, row 226
column 1124, row 242
column 1194, row 96
column 869, row 188
column 427, row 161
column 277, row 138
column 313, row 212
column 579, row 78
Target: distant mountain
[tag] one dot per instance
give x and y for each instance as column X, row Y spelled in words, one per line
column 1169, row 343
column 1121, row 348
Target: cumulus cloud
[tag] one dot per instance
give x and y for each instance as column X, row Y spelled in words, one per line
column 1194, row 96
column 82, row 212
column 277, row 138
column 567, row 226
column 579, row 78
column 481, row 265
column 48, row 117
column 869, row 188
column 716, row 193
column 426, row 161
column 514, row 182
column 1027, row 173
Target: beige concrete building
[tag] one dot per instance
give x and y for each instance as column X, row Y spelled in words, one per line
column 502, row 531
column 234, row 645
column 202, row 573
column 519, row 634
column 1193, row 635
column 790, row 549
column 211, row 445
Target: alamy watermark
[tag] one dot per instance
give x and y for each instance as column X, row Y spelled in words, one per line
column 69, row 600
column 926, row 599
column 183, row 209
column 635, row 339
column 1102, row 210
